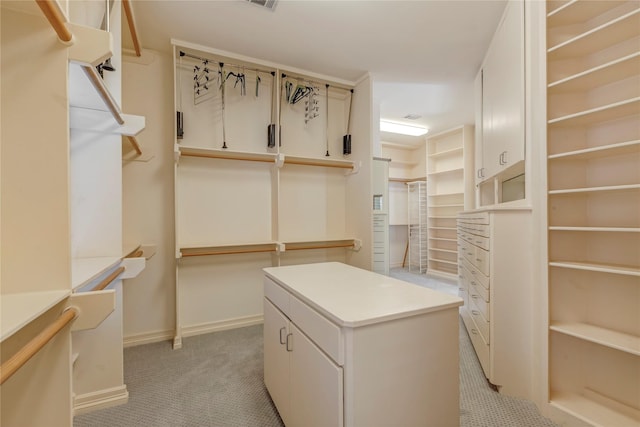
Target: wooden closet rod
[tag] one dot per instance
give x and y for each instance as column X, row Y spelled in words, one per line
column 228, row 157
column 110, row 278
column 134, row 142
column 56, row 18
column 328, row 246
column 126, row 4
column 22, row 356
column 227, row 252
column 98, row 83
column 312, row 162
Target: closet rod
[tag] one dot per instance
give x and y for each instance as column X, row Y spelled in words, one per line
column 56, row 18
column 126, row 4
column 213, row 61
column 344, row 245
column 134, row 142
column 228, row 157
column 97, row 82
column 314, row 82
column 228, row 252
column 135, row 254
column 110, row 278
column 316, row 163
column 22, row 356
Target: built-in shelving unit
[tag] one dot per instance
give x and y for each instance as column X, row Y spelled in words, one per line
column 448, row 164
column 244, row 202
column 593, row 148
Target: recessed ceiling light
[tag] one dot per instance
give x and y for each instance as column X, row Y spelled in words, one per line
column 402, row 129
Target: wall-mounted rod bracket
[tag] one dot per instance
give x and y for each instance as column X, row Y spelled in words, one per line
column 356, row 168
column 357, row 244
column 279, row 160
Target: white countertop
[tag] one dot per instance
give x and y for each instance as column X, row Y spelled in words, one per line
column 354, row 297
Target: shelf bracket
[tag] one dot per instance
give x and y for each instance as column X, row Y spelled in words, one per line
column 280, row 248
column 176, row 153
column 279, row 160
column 178, row 254
column 357, row 244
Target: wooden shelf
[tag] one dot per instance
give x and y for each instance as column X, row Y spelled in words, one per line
column 608, row 34
column 18, row 310
column 405, row 180
column 597, row 229
column 601, row 114
column 595, row 409
column 619, row 69
column 617, row 149
column 320, row 244
column 601, row 336
column 596, row 189
column 453, row 151
column 576, row 11
column 446, row 172
column 601, row 268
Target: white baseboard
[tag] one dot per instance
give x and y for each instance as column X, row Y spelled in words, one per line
column 147, row 338
column 102, row 399
column 222, row 325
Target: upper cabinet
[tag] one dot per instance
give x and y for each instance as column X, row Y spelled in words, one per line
column 500, row 100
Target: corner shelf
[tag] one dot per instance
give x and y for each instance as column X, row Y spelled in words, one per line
column 454, row 151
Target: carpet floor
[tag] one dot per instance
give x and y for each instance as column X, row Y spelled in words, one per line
column 215, row 380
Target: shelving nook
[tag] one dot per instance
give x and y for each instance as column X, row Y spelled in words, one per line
column 244, row 201
column 76, row 147
column 593, row 153
column 449, row 189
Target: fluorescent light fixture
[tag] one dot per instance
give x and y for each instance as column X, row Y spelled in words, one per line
column 403, row 129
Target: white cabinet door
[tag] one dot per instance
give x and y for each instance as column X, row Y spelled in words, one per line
column 276, row 358
column 503, row 94
column 316, row 386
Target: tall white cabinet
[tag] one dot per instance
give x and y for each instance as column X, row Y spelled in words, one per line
column 253, row 205
column 593, row 167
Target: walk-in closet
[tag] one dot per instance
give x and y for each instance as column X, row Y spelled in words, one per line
column 320, row 214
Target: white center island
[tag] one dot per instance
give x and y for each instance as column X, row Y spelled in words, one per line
column 347, row 347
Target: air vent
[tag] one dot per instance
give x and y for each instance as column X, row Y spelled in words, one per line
column 268, row 4
column 412, row 116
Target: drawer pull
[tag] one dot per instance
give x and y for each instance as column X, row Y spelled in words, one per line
column 473, row 272
column 474, row 296
column 477, row 259
column 470, row 254
column 473, row 283
column 289, row 344
column 282, row 340
column 474, row 331
column 475, row 312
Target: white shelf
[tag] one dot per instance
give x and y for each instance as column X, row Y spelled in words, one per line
column 600, row 114
column 443, row 239
column 403, row 163
column 18, row 310
column 442, row 228
column 601, row 268
column 85, row 270
column 596, row 189
column 443, row 216
column 457, row 205
column 601, row 336
column 444, row 261
column 619, row 69
column 443, row 250
column 446, row 172
column 608, row 34
column 595, row 409
column 576, row 11
column 453, row 151
column 620, row 148
column 446, row 194
column 597, row 229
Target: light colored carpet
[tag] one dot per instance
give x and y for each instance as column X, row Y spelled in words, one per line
column 215, row 380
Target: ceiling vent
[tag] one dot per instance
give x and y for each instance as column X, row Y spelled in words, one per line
column 268, row 4
column 412, row 116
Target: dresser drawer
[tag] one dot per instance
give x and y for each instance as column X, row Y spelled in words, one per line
column 476, row 275
column 319, row 329
column 475, row 287
column 481, row 323
column 481, row 260
column 480, row 303
column 479, row 344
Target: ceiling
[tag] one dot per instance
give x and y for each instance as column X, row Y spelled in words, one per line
column 422, row 55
